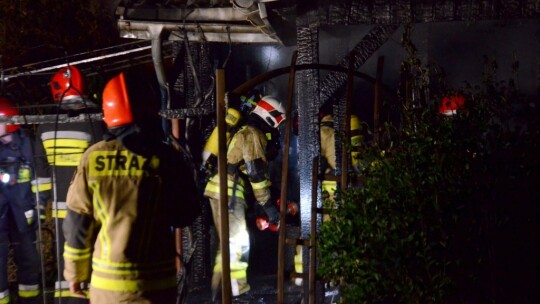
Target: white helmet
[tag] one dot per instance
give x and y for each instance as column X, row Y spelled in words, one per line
column 270, row 110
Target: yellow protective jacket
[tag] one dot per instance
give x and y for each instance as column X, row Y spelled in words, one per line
column 328, row 153
column 129, row 205
column 328, row 144
column 246, row 162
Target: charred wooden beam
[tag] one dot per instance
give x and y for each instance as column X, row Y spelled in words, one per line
column 353, row 12
column 361, row 52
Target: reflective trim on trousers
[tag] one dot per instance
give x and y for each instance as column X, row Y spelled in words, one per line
column 4, row 297
column 298, row 266
column 329, row 189
column 132, row 285
column 28, row 291
column 238, row 269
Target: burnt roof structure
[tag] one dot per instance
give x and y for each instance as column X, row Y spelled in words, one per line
column 267, row 21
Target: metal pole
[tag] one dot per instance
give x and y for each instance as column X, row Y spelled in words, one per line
column 39, row 234
column 313, row 233
column 75, row 62
column 223, row 197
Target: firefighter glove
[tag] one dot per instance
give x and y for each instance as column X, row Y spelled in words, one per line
column 272, row 213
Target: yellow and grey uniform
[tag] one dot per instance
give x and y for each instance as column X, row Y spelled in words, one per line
column 247, row 167
column 122, row 208
column 59, row 148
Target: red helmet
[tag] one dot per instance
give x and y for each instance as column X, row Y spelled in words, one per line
column 450, row 104
column 116, row 105
column 7, row 108
column 68, row 87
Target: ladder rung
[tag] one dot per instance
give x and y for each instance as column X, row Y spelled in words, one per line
column 334, row 178
column 323, row 210
column 303, row 275
column 298, row 242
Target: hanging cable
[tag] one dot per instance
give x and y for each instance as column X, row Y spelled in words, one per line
column 230, row 47
column 212, row 85
column 39, row 228
column 198, row 91
column 54, row 190
column 157, row 59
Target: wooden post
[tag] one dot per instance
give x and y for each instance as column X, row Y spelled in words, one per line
column 347, row 129
column 284, row 177
column 175, row 128
column 377, row 101
column 313, row 233
column 223, row 197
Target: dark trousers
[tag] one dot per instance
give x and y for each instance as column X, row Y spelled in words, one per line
column 61, row 288
column 25, row 256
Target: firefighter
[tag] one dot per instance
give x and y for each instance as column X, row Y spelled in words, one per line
column 128, row 194
column 451, row 104
column 328, row 157
column 59, row 147
column 328, row 151
column 328, row 154
column 247, row 155
column 18, row 216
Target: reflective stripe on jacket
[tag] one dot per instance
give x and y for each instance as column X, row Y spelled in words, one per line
column 61, row 145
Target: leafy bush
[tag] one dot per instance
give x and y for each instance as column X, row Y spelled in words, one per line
column 387, row 238
column 387, row 242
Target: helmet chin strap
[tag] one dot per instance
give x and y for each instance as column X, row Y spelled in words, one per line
column 258, row 122
column 123, row 131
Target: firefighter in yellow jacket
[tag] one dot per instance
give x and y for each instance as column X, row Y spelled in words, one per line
column 247, row 156
column 328, row 151
column 129, row 192
column 59, row 147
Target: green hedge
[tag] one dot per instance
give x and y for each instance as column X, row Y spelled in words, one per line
column 388, row 240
